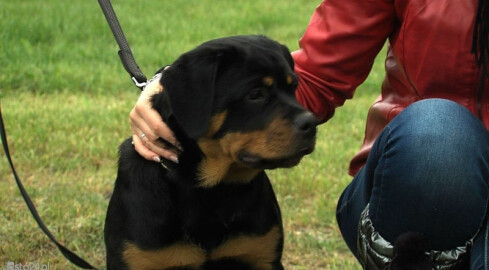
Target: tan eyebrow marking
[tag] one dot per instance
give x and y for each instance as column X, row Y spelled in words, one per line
column 268, row 81
column 289, row 79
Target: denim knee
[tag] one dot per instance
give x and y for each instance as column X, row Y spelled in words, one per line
column 431, row 174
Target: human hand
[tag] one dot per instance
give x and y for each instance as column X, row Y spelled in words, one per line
column 147, row 126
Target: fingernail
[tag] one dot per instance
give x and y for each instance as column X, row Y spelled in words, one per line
column 174, row 159
column 157, row 159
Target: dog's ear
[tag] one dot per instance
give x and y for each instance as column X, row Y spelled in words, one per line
column 190, row 86
column 287, row 55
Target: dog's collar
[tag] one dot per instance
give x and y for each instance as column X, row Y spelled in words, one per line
column 157, row 76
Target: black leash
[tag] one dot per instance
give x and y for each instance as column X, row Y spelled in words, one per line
column 125, row 52
column 72, row 257
column 139, row 80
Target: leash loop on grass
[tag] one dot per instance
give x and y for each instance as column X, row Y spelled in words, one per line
column 139, row 80
column 72, row 257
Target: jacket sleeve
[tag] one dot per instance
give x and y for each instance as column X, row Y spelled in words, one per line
column 338, row 49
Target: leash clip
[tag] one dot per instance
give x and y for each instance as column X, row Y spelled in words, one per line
column 138, row 84
column 157, row 76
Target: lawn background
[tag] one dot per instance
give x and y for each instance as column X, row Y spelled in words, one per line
column 66, row 98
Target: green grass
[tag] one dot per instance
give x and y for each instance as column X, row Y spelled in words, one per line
column 66, row 98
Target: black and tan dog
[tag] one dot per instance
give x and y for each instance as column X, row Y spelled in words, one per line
column 231, row 105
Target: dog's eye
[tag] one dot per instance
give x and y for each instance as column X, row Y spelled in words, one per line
column 258, row 94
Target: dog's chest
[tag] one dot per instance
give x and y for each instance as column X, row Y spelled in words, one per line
column 257, row 252
column 222, row 226
column 209, row 218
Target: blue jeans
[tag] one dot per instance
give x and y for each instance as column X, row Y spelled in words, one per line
column 427, row 172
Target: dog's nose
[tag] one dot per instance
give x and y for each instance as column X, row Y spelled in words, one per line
column 305, row 122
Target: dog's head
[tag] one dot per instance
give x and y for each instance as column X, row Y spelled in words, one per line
column 235, row 98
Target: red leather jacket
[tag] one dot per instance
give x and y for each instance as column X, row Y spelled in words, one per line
column 429, row 56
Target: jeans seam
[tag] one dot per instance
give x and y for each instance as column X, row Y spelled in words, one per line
column 388, row 143
column 343, row 205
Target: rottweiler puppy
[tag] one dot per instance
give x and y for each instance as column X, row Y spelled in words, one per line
column 231, row 104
